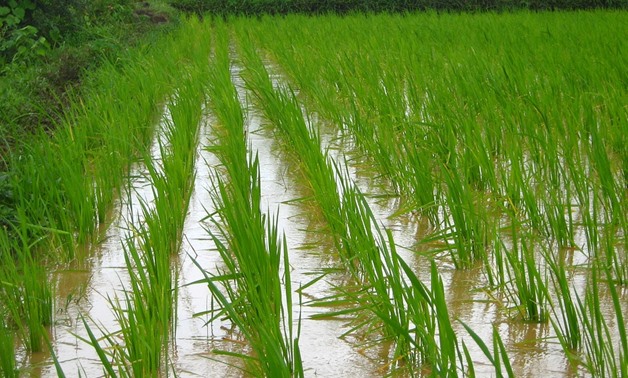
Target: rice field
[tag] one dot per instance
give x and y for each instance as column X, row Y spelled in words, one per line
column 367, row 195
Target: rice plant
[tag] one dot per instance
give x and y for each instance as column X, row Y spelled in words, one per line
column 253, row 291
column 7, row 351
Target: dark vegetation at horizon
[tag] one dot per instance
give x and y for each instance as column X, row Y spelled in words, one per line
column 283, row 7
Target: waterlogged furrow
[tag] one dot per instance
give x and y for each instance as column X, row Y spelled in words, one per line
column 254, row 289
column 196, row 336
column 143, row 309
column 321, row 350
column 88, row 290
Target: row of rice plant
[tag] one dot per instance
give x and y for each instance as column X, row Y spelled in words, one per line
column 397, row 305
column 146, row 314
column 512, row 146
column 25, row 299
column 254, row 288
column 64, row 184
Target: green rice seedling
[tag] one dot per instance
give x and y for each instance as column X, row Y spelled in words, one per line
column 466, row 220
column 357, row 245
column 420, row 178
column 602, row 166
column 599, row 348
column 55, row 359
column 146, row 314
column 585, row 198
column 409, row 313
column 496, row 263
column 37, row 304
column 66, row 183
column 282, row 109
column 566, row 324
column 150, row 268
column 559, row 223
column 254, row 301
column 150, row 302
column 372, row 264
column 499, row 357
column 250, row 291
column 530, row 289
column 253, row 255
column 614, row 257
column 136, row 349
column 369, row 257
column 173, row 177
column 26, row 290
column 146, row 320
column 428, row 312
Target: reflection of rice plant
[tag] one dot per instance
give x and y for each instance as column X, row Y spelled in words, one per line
column 498, row 357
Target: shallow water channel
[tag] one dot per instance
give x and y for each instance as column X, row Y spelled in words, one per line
column 88, row 288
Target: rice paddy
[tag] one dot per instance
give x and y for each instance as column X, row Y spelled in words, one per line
column 367, row 195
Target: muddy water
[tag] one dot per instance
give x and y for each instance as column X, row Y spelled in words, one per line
column 192, row 353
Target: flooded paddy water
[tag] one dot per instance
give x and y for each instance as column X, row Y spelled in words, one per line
column 484, row 295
